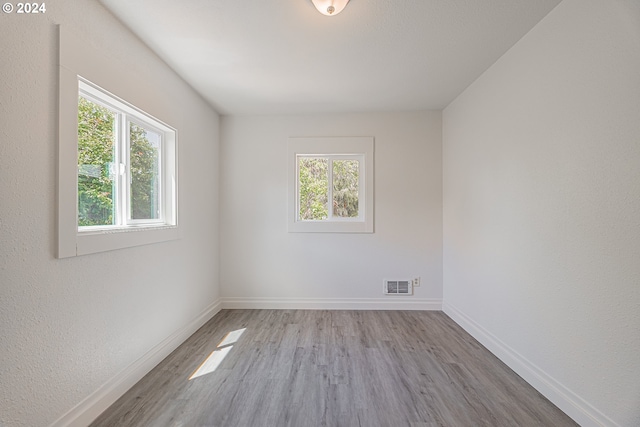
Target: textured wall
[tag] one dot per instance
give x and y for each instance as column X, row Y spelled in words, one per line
column 68, row 326
column 259, row 258
column 542, row 207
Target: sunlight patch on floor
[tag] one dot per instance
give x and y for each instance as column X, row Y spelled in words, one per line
column 231, row 338
column 216, row 357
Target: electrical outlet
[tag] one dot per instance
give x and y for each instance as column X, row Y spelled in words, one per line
column 416, row 282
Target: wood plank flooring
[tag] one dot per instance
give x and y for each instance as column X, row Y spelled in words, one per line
column 333, row 368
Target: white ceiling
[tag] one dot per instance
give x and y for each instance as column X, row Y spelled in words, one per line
column 283, row 56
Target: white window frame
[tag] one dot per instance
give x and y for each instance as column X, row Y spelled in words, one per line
column 127, row 114
column 78, row 66
column 330, row 159
column 167, row 136
column 333, row 148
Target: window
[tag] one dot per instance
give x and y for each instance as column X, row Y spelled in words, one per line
column 117, row 165
column 331, row 185
column 117, row 172
column 124, row 167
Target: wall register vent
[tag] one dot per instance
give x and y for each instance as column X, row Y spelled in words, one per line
column 398, row 287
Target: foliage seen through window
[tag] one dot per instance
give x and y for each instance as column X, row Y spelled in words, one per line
column 99, row 171
column 321, row 179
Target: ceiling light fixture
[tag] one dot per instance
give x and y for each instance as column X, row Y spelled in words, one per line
column 330, row 7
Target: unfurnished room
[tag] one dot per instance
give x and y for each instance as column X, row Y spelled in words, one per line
column 234, row 213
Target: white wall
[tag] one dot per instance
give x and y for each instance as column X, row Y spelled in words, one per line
column 69, row 327
column 542, row 209
column 262, row 265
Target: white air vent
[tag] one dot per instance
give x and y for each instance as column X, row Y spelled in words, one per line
column 398, row 287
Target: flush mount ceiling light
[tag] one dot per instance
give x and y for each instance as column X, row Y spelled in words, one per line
column 330, row 7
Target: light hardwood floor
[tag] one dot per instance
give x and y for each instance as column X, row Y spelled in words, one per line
column 334, row 368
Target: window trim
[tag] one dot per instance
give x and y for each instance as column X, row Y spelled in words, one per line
column 361, row 148
column 77, row 59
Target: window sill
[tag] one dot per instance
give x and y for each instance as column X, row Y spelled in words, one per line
column 331, row 227
column 95, row 241
column 127, row 229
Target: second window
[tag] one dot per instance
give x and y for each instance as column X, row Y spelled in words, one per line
column 329, row 187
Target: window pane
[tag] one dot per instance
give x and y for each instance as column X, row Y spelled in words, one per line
column 345, row 188
column 96, row 164
column 145, row 172
column 313, row 187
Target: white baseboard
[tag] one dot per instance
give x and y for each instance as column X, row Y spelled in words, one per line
column 390, row 303
column 93, row 405
column 569, row 402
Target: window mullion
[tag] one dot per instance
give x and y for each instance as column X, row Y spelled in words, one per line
column 125, row 170
column 118, row 171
